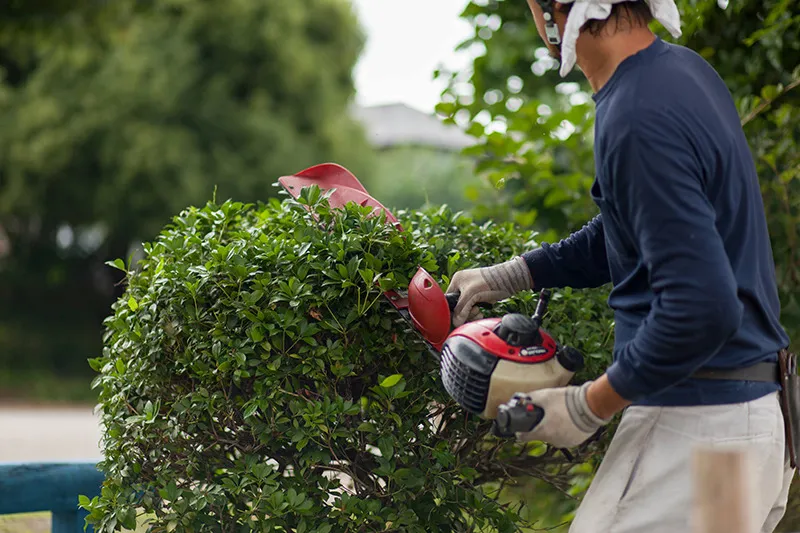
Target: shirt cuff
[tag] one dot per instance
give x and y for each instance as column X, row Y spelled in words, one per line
column 625, row 382
column 543, row 272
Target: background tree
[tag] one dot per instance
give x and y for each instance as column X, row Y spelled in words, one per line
column 535, row 133
column 116, row 115
column 415, row 177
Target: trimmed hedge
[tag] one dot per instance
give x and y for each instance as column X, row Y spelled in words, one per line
column 255, row 379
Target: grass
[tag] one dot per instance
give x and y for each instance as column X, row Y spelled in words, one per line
column 46, row 388
column 25, row 523
column 37, row 523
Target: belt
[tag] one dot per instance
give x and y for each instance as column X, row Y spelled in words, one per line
column 769, row 372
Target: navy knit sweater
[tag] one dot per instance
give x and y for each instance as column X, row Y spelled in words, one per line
column 681, row 235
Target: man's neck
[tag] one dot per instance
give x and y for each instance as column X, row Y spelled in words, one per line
column 599, row 57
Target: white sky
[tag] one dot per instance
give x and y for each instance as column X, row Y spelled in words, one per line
column 406, row 41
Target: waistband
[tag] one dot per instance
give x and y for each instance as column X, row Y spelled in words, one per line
column 767, row 372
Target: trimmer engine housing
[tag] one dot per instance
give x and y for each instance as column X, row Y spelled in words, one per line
column 484, row 363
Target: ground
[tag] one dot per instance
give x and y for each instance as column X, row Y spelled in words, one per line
column 43, row 433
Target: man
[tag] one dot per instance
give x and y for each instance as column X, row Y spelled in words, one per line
column 682, row 237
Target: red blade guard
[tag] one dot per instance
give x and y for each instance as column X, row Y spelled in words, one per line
column 330, row 175
column 428, row 308
column 346, row 187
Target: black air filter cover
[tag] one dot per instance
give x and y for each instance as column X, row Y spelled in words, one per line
column 466, row 377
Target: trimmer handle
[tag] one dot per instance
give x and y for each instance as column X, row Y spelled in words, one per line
column 517, row 416
column 544, row 300
column 453, row 297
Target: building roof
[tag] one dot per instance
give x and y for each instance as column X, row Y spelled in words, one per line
column 393, row 125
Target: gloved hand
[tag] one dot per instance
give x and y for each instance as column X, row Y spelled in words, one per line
column 567, row 420
column 488, row 284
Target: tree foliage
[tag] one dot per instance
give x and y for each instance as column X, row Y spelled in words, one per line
column 536, row 133
column 412, row 177
column 116, row 115
column 254, row 378
column 535, row 129
column 174, row 102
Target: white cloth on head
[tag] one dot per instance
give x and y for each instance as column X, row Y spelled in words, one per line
column 664, row 11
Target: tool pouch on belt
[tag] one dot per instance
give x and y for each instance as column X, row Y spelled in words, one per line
column 790, row 402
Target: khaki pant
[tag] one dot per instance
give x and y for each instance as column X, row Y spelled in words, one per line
column 644, row 482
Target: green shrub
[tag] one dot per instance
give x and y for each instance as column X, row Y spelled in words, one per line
column 252, row 357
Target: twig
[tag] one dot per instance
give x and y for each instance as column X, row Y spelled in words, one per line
column 766, row 103
column 551, row 528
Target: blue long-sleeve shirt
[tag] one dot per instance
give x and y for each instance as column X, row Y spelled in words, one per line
column 579, row 261
column 682, row 235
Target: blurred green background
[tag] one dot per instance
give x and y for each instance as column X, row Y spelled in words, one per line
column 116, row 115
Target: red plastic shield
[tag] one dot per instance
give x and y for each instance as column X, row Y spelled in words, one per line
column 428, row 308
column 329, row 176
column 332, row 175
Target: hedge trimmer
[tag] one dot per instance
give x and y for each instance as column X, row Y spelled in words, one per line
column 483, row 363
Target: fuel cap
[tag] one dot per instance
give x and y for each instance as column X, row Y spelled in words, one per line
column 519, row 330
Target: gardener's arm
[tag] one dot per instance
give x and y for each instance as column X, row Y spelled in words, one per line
column 658, row 188
column 579, row 261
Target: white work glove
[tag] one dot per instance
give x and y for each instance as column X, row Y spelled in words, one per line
column 487, row 285
column 567, row 420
